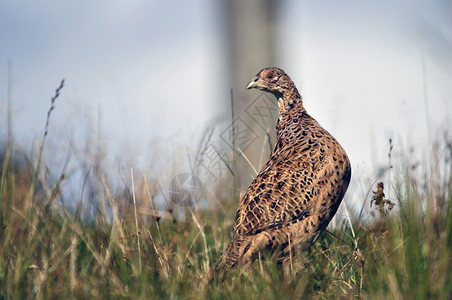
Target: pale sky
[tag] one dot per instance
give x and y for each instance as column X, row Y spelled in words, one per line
column 153, row 70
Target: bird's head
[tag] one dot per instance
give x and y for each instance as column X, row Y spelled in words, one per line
column 272, row 80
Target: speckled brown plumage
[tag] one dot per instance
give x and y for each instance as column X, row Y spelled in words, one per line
column 294, row 197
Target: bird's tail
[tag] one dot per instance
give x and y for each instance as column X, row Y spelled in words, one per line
column 231, row 256
column 242, row 251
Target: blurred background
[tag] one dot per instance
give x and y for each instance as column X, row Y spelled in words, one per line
column 159, row 86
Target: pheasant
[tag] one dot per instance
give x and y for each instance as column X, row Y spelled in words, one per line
column 297, row 193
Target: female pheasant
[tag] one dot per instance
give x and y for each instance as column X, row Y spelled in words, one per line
column 297, row 193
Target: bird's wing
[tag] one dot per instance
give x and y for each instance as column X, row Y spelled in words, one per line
column 271, row 201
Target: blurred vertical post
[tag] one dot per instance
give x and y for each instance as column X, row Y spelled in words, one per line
column 250, row 38
column 8, row 107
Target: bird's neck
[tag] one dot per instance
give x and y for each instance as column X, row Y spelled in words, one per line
column 290, row 105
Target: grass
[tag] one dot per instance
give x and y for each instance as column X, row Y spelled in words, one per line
column 131, row 250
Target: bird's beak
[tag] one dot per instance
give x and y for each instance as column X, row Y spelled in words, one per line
column 253, row 84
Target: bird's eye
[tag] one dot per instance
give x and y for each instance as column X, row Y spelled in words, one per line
column 271, row 76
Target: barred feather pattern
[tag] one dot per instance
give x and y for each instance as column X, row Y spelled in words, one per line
column 297, row 193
